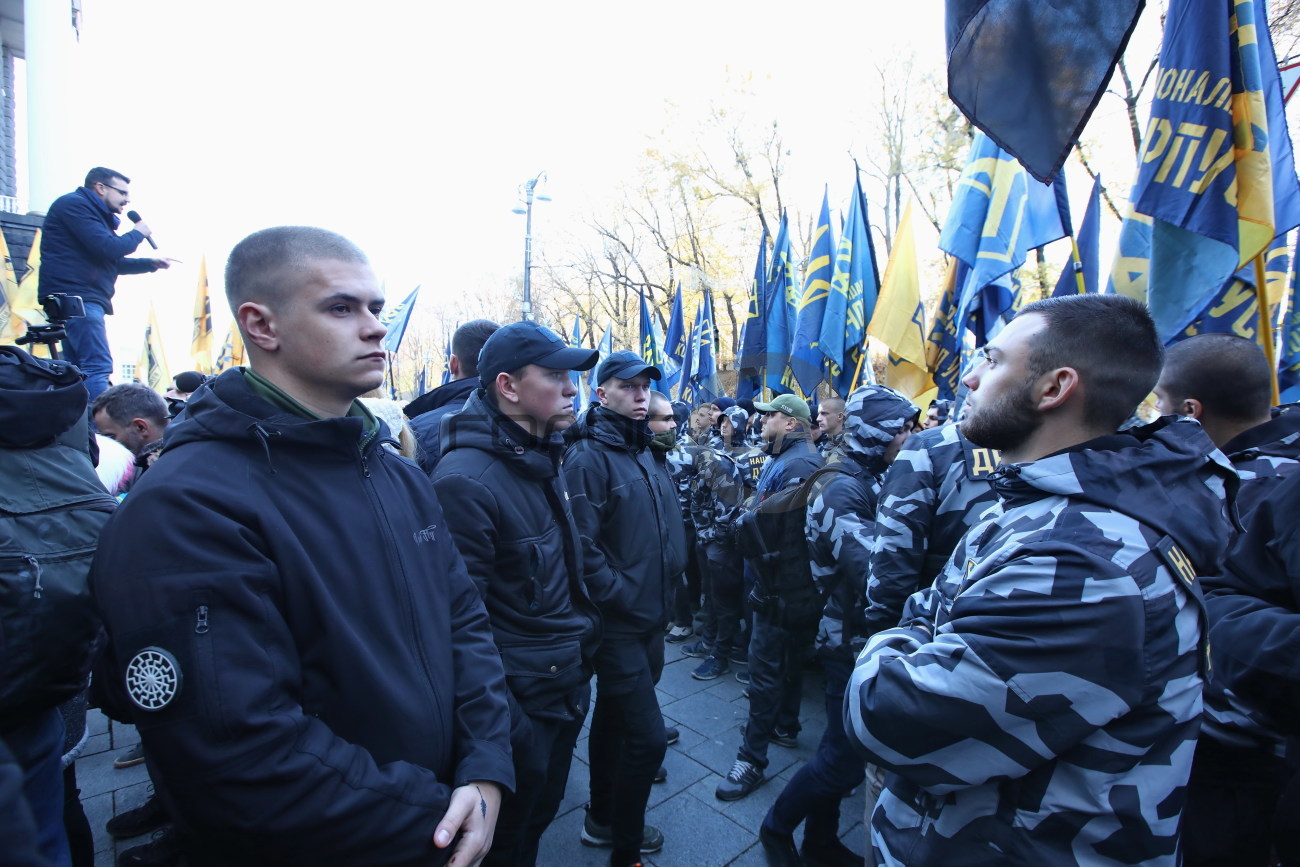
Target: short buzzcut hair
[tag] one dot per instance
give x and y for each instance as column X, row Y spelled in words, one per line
column 1228, row 374
column 101, row 175
column 1110, row 340
column 263, row 265
column 467, row 342
column 131, row 400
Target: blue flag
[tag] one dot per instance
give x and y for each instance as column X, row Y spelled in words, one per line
column 781, row 297
column 446, row 363
column 676, row 340
column 605, row 349
column 1216, row 181
column 704, row 368
column 1235, row 309
column 1089, row 243
column 943, row 345
column 575, row 376
column 855, row 287
column 395, row 318
column 1029, row 73
column 1288, row 343
column 807, row 362
column 652, row 351
column 998, row 215
column 686, row 378
column 753, row 339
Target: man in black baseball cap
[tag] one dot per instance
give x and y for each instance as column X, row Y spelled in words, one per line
column 512, row 525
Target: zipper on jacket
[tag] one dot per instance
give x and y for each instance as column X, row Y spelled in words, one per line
column 201, row 626
column 36, row 568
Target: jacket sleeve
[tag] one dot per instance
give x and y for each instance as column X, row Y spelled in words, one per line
column 588, row 488
column 1020, row 673
column 1254, row 612
column 93, row 234
column 908, row 496
column 236, row 725
column 472, row 522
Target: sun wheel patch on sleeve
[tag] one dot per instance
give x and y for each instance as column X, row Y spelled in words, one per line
column 153, row 678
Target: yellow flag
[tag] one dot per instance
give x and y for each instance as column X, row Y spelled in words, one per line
column 152, row 366
column 201, row 342
column 232, row 352
column 899, row 318
column 18, row 307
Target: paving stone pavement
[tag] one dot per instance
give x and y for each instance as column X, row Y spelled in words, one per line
column 699, row 830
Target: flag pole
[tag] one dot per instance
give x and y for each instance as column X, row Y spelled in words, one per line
column 1265, row 324
column 1077, row 261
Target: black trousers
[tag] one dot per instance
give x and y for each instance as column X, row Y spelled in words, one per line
column 542, row 749
column 627, row 744
column 776, row 654
column 1231, row 800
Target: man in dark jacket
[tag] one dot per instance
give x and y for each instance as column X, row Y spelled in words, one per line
column 840, row 524
column 1238, row 773
column 309, row 666
column 427, row 411
column 634, row 540
column 784, row 599
column 1039, row 702
column 82, row 254
column 501, row 467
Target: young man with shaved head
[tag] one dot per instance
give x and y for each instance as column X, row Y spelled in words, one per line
column 309, row 666
column 1039, row 702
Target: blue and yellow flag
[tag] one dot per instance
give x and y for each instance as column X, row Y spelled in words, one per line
column 899, row 320
column 781, row 297
column 1216, row 181
column 998, row 215
column 652, row 342
column 676, row 340
column 1288, row 343
column 753, row 339
column 854, row 289
column 703, row 359
column 396, row 319
column 1088, row 246
column 232, row 351
column 201, row 339
column 943, row 347
column 1235, row 309
column 605, row 349
column 807, row 362
column 151, row 369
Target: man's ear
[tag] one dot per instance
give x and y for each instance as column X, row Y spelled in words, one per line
column 140, row 426
column 1192, row 408
column 1055, row 388
column 453, row 367
column 600, row 394
column 506, row 389
column 257, row 322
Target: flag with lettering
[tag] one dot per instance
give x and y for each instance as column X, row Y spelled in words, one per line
column 1030, row 72
column 201, row 340
column 703, row 358
column 1216, row 180
column 1088, row 244
column 652, row 352
column 396, row 319
column 943, row 354
column 1288, row 342
column 807, row 362
column 753, row 339
column 676, row 338
column 1235, row 309
column 781, row 300
column 899, row 320
column 854, row 289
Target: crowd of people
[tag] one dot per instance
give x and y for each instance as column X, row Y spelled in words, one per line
column 1050, row 633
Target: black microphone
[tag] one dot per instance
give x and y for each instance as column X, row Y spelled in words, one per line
column 134, row 217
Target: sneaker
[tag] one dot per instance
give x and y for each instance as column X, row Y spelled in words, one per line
column 149, row 816
column 711, row 669
column 162, row 851
column 679, row 633
column 130, row 758
column 829, row 854
column 779, row 848
column 671, row 735
column 595, row 834
column 789, row 740
column 743, row 677
column 661, row 775
column 740, row 656
column 741, row 780
column 697, row 649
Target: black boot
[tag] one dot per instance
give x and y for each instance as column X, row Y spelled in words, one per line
column 829, row 853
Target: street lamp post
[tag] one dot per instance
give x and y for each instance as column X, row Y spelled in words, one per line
column 527, row 194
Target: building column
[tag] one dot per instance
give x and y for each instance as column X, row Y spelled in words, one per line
column 53, row 101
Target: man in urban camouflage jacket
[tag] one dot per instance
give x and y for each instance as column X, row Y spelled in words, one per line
column 839, row 523
column 936, row 489
column 1039, row 703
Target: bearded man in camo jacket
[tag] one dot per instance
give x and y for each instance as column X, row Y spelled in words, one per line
column 1039, row 703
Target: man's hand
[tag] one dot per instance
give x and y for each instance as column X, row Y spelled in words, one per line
column 163, row 263
column 143, row 228
column 472, row 814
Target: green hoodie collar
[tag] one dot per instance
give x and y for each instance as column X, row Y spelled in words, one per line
column 282, row 400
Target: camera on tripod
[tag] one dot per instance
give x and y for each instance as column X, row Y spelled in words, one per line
column 59, row 307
